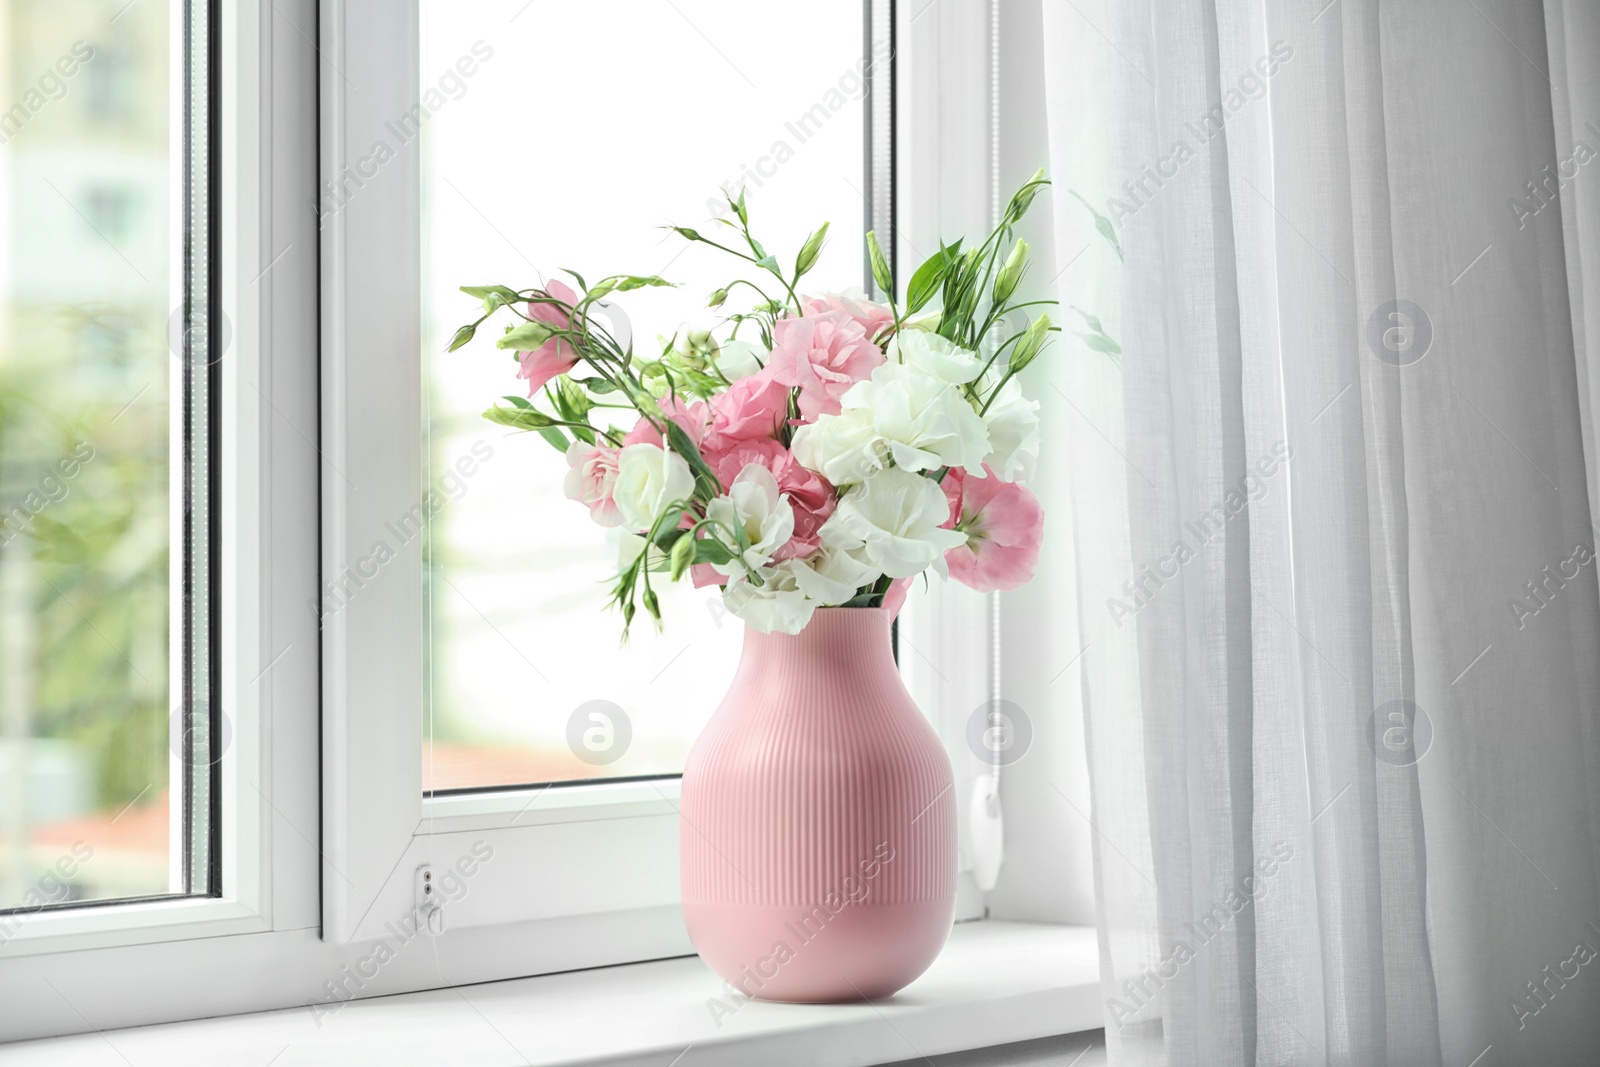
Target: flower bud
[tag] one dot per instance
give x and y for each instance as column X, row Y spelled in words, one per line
column 682, row 555
column 1022, row 199
column 574, row 396
column 1005, row 283
column 880, row 266
column 1032, row 341
column 810, row 251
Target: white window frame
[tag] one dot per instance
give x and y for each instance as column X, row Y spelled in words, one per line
column 74, row 969
column 606, row 851
column 246, row 903
column 323, row 818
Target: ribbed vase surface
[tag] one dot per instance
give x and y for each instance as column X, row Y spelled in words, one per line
column 818, row 821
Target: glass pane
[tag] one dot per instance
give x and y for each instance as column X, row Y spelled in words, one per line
column 104, row 381
column 565, row 136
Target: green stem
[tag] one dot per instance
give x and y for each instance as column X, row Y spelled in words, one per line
column 992, row 396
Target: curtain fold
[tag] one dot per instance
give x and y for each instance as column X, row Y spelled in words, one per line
column 1331, row 513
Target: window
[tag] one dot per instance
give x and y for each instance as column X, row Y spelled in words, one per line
column 317, row 724
column 148, row 263
column 513, row 648
column 109, row 727
column 518, row 638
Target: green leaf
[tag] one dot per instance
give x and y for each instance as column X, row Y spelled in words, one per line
column 552, row 392
column 483, row 292
column 710, row 550
column 880, row 265
column 525, row 337
column 951, row 280
column 738, row 206
column 1103, row 224
column 576, row 277
column 556, row 438
column 927, row 279
column 769, row 263
column 575, row 403
column 598, row 386
column 493, row 296
column 517, row 401
column 706, row 486
column 462, row 336
column 625, row 283
column 755, row 246
column 810, row 251
column 519, row 418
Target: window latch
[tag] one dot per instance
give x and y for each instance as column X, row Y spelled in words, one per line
column 430, row 910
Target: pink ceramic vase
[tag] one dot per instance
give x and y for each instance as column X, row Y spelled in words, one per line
column 818, row 821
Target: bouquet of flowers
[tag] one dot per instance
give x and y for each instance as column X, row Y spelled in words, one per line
column 837, row 450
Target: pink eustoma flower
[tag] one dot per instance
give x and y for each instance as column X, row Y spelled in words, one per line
column 555, row 356
column 693, row 417
column 873, row 319
column 822, row 354
column 591, row 475
column 753, row 408
column 704, row 574
column 1004, row 525
column 895, row 598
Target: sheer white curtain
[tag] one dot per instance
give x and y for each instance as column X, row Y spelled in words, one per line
column 1331, row 514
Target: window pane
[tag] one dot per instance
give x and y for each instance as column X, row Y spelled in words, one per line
column 565, row 136
column 103, row 420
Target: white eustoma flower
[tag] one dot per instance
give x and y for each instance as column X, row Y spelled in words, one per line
column 739, row 359
column 1013, row 424
column 753, row 504
column 831, row 575
column 892, row 522
column 792, row 590
column 843, row 448
column 924, row 421
column 902, row 415
column 928, row 353
column 648, row 479
column 777, row 605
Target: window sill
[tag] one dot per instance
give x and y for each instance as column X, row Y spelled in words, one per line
column 996, row 983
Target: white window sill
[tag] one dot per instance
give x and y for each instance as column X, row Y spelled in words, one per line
column 996, row 983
